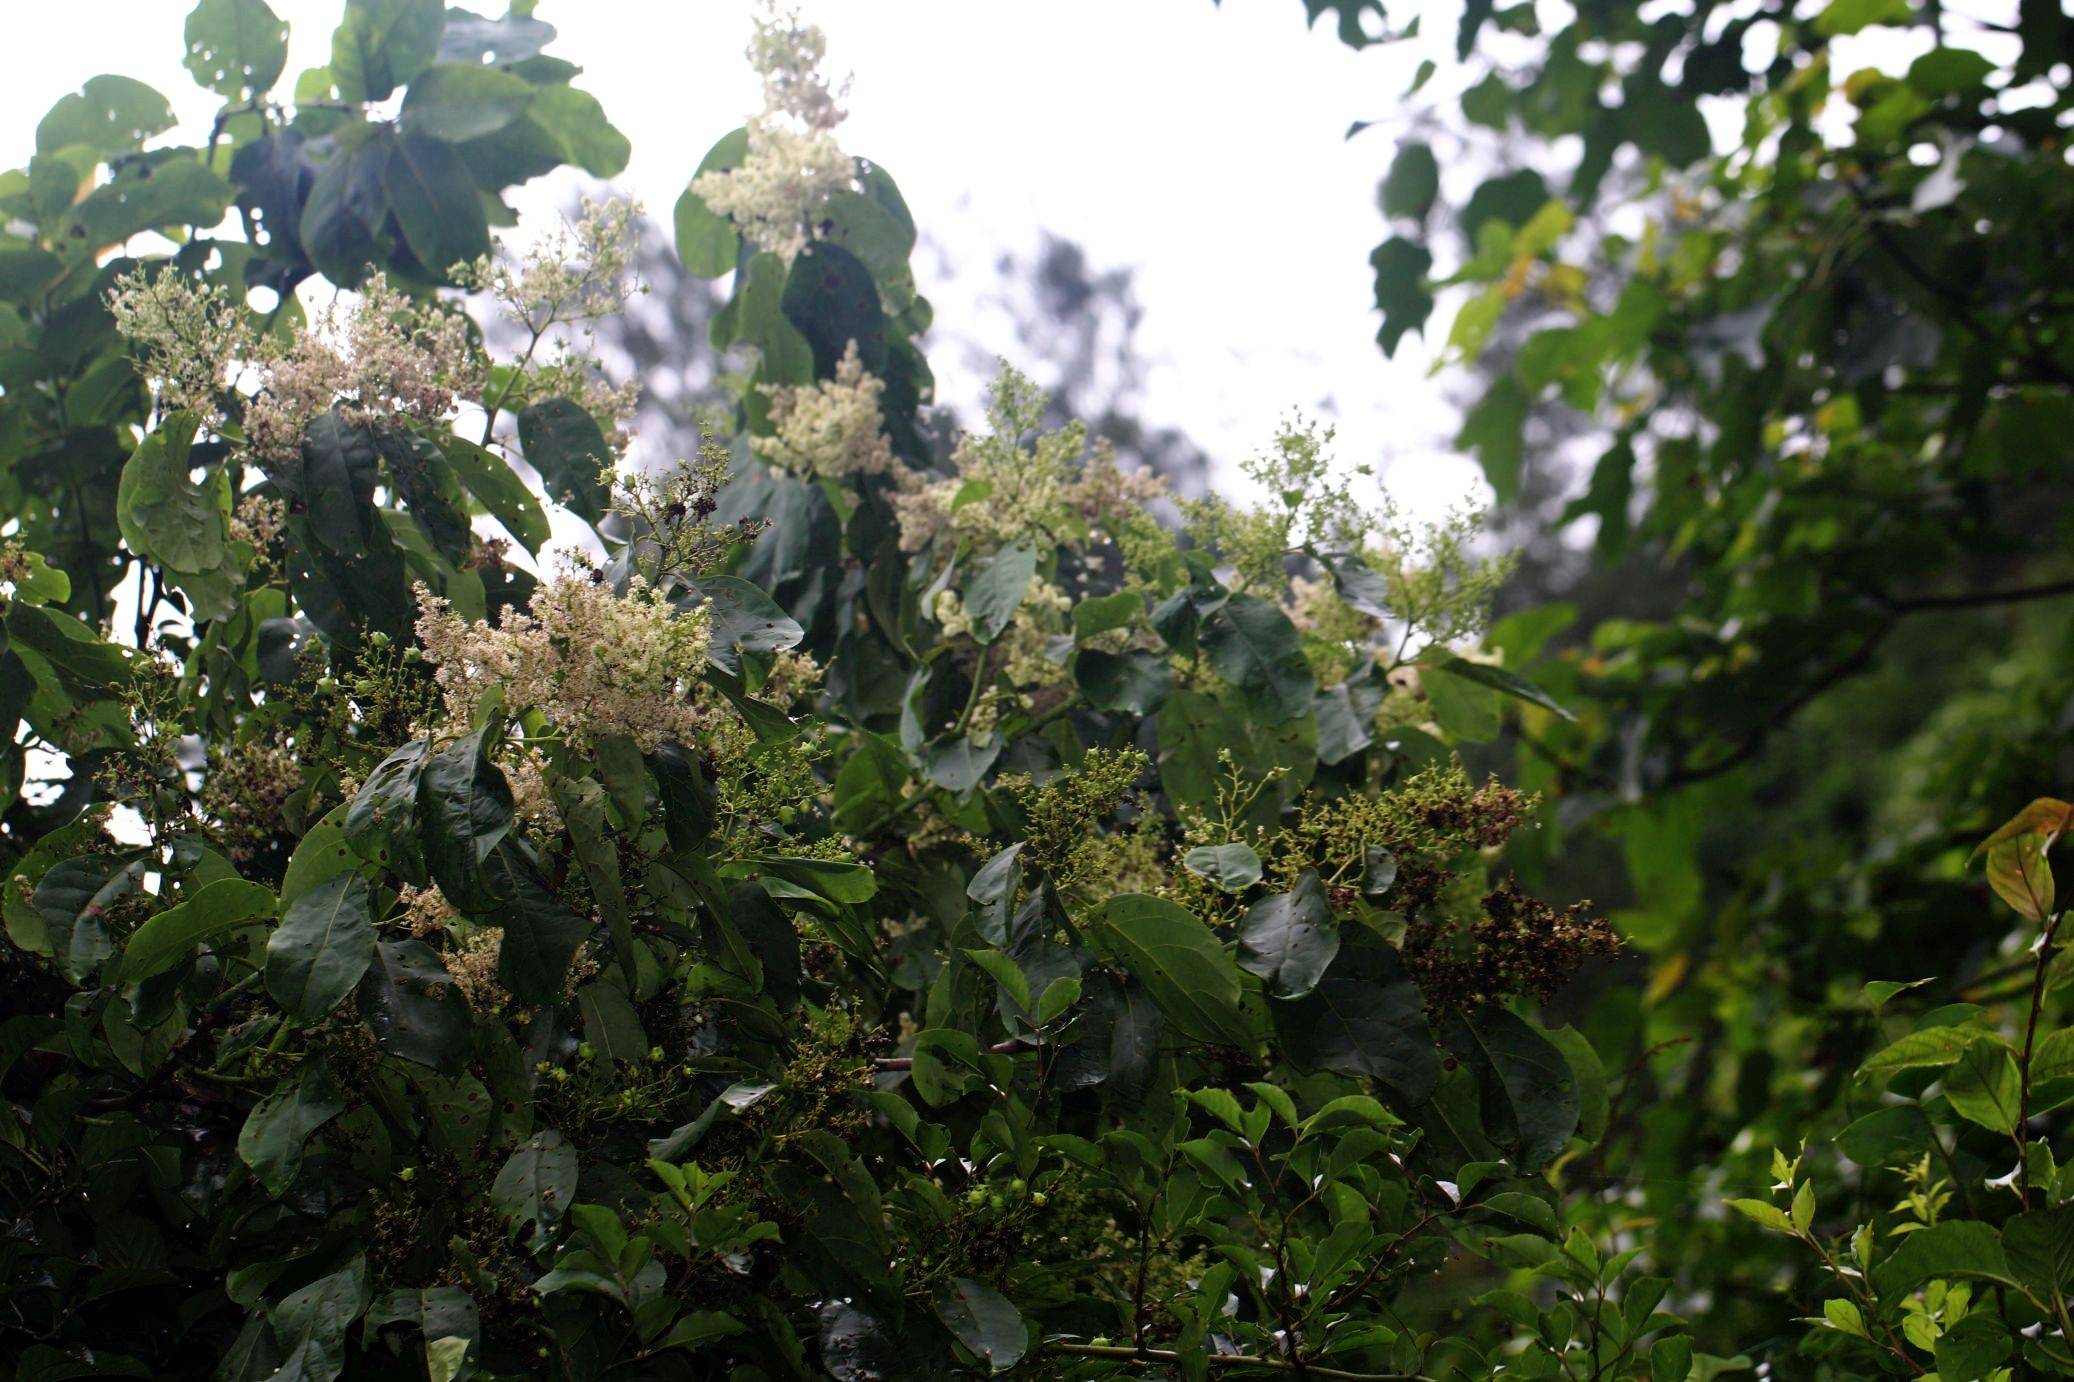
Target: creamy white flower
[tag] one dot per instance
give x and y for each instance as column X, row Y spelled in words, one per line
column 794, row 164
column 592, row 662
column 829, row 427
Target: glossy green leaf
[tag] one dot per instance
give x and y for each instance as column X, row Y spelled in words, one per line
column 321, row 948
column 168, row 938
column 1190, row 975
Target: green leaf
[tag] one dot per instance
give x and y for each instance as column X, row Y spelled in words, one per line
column 993, row 596
column 1365, row 1017
column 745, row 620
column 2018, row 869
column 414, row 1006
column 1467, row 710
column 1593, row 1101
column 1956, row 1248
column 465, row 811
column 1973, row 1347
column 2054, row 1057
column 381, row 824
column 1530, row 1099
column 1840, row 17
column 565, row 444
column 1884, row 1134
column 1984, row 1086
column 537, row 1185
column 1005, row 972
column 453, row 103
column 834, row 879
column 983, row 1320
column 706, row 242
column 109, row 115
column 444, row 1315
column 579, row 128
column 272, row 1140
column 2039, row 1247
column 167, row 939
column 320, row 854
column 1924, row 1050
column 1135, row 682
column 382, row 44
column 1498, row 679
column 1232, row 867
column 1400, row 290
column 1763, row 1212
column 490, row 479
column 610, row 1024
column 312, row 1323
column 1106, row 612
column 1190, row 977
column 236, row 48
column 435, row 204
column 169, row 519
column 321, row 948
column 1413, row 182
column 831, row 298
column 756, row 317
column 1670, row 1359
column 73, row 899
column 541, row 932
column 1289, row 939
column 1252, row 645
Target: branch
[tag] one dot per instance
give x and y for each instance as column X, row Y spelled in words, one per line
column 1971, row 599
column 999, row 1048
column 1229, row 1360
column 1839, row 671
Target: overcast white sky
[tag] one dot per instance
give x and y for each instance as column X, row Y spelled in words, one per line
column 1201, row 145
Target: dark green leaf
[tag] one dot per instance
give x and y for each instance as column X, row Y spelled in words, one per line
column 436, row 206
column 167, row 939
column 1365, row 1017
column 1134, row 682
column 1252, row 645
column 321, row 948
column 414, row 1006
column 382, row 44
column 984, row 1321
column 564, row 443
column 272, row 1140
column 1530, row 1095
column 1289, row 939
column 1189, row 975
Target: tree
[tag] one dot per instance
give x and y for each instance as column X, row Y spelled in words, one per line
column 1824, row 628
column 868, row 908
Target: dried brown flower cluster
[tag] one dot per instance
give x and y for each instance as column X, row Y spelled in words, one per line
column 1519, row 948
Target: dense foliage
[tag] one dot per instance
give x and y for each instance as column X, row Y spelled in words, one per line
column 852, row 905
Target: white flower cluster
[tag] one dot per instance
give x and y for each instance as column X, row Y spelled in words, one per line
column 592, row 662
column 1024, row 651
column 1009, row 490
column 192, row 335
column 580, row 273
column 794, row 164
column 382, row 358
column 829, row 427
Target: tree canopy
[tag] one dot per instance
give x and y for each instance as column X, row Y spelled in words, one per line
column 873, row 904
